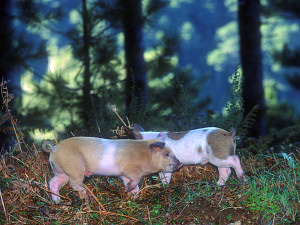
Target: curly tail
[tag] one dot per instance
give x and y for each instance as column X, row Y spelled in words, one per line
column 47, row 148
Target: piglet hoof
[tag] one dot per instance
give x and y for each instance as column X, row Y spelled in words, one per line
column 244, row 179
column 134, row 195
column 56, row 201
column 221, row 183
column 133, row 191
column 128, row 187
column 55, row 198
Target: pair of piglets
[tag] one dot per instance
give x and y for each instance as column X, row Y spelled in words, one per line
column 200, row 146
column 77, row 157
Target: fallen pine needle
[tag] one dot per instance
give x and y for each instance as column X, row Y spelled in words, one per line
column 112, row 213
column 91, row 193
column 6, row 216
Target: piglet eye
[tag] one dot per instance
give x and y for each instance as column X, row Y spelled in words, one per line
column 167, row 154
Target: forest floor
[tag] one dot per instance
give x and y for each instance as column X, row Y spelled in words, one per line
column 271, row 196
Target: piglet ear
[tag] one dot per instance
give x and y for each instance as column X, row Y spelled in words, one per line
column 232, row 134
column 157, row 146
column 137, row 128
column 161, row 136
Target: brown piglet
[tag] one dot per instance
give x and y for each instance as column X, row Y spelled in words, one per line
column 76, row 157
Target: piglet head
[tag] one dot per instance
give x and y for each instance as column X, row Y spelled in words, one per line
column 163, row 159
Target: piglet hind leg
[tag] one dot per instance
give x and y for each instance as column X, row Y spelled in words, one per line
column 55, row 184
column 224, row 169
column 76, row 183
column 238, row 168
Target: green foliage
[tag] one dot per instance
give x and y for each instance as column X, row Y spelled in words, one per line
column 60, row 92
column 173, row 101
column 234, row 107
column 62, row 103
column 258, row 146
column 287, row 57
column 4, row 183
column 37, row 14
column 280, row 116
column 290, row 6
column 55, row 101
column 261, row 203
column 294, row 80
column 272, row 192
column 233, row 115
column 112, row 11
column 185, row 114
column 285, row 140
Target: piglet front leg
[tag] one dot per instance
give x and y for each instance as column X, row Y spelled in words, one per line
column 224, row 173
column 131, row 185
column 165, row 177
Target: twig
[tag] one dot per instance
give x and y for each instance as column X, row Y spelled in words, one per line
column 221, row 197
column 91, row 193
column 179, row 214
column 6, row 216
column 18, row 219
column 128, row 122
column 146, row 187
column 41, row 186
column 149, row 216
column 6, row 98
column 114, row 109
column 112, row 213
column 20, row 161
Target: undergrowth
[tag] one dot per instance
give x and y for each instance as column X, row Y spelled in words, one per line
column 270, row 195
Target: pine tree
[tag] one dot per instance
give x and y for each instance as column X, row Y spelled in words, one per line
column 16, row 54
column 251, row 61
column 136, row 86
column 6, row 48
column 288, row 57
column 87, row 86
column 85, row 98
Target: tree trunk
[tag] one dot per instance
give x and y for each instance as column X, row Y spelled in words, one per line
column 86, row 98
column 6, row 69
column 6, row 38
column 251, row 60
column 136, row 87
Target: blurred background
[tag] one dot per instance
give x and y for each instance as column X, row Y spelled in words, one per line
column 167, row 65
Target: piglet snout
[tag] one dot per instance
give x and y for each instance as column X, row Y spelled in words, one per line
column 177, row 164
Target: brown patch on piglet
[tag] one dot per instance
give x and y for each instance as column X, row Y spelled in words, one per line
column 222, row 143
column 199, row 150
column 176, row 135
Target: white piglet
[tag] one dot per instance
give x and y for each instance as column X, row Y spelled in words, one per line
column 200, row 146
